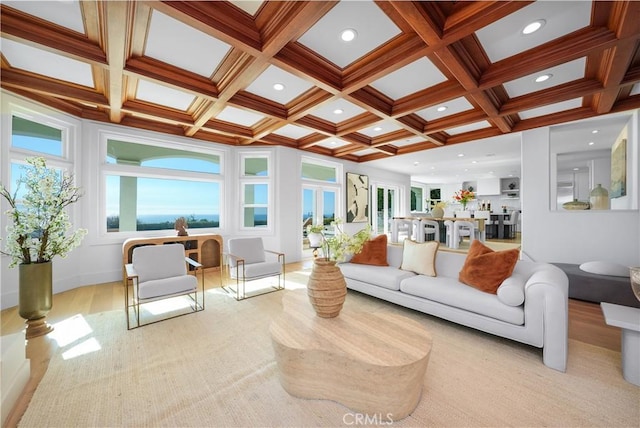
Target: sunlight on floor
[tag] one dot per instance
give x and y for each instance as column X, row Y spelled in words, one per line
column 86, row 347
column 71, row 330
column 167, row 305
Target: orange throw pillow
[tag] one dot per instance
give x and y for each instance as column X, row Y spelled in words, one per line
column 374, row 252
column 485, row 269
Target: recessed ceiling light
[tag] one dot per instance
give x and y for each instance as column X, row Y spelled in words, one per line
column 433, row 167
column 338, row 111
column 377, row 128
column 474, row 161
column 348, row 35
column 576, row 169
column 534, row 26
column 333, row 143
column 591, row 143
column 278, row 86
column 416, row 163
column 442, row 108
column 460, row 155
column 543, row 78
column 595, row 131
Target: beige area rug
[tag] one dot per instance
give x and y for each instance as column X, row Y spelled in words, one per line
column 217, row 368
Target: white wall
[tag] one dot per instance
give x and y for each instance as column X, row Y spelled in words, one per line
column 99, row 259
column 576, row 236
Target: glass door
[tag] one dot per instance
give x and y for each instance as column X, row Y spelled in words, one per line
column 386, row 206
column 318, row 207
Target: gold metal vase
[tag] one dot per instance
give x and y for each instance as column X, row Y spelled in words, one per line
column 35, row 297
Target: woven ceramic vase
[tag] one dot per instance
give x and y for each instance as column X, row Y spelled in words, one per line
column 326, row 288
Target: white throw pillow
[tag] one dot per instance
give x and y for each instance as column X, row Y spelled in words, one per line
column 605, row 268
column 420, row 257
column 511, row 291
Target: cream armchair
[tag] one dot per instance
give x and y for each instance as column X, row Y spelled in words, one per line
column 247, row 260
column 159, row 272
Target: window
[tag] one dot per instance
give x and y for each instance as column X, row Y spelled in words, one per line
column 416, row 198
column 315, row 171
column 33, row 136
column 148, row 187
column 255, row 183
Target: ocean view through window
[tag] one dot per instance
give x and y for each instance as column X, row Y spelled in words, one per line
column 148, row 187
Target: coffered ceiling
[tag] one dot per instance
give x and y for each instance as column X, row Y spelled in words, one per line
column 417, row 76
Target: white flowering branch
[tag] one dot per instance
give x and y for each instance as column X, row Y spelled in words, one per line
column 39, row 222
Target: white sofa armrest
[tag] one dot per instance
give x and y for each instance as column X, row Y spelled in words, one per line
column 548, row 287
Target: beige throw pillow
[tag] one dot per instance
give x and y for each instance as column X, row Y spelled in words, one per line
column 420, row 258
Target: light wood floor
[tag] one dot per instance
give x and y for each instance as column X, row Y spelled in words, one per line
column 586, row 324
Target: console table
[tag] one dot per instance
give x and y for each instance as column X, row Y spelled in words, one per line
column 628, row 319
column 373, row 363
column 206, row 249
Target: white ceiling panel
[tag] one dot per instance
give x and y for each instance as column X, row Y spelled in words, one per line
column 65, row 13
column 293, row 131
column 293, row 85
column 164, row 96
column 379, row 129
column 178, row 44
column 249, row 6
column 373, row 29
column 504, row 38
column 455, row 106
column 467, row 128
column 332, row 143
column 239, row 116
column 560, row 74
column 45, row 63
column 420, row 74
column 551, row 108
column 328, row 111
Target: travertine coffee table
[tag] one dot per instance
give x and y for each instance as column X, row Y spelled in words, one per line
column 373, row 363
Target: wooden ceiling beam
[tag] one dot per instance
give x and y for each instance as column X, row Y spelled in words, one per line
column 250, row 68
column 171, row 76
column 624, row 20
column 116, row 18
column 43, row 34
column 567, row 91
column 474, row 15
column 572, row 46
column 68, row 91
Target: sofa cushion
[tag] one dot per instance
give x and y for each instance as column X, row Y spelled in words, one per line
column 420, row 257
column 511, row 291
column 451, row 292
column 485, row 269
column 374, row 252
column 381, row 276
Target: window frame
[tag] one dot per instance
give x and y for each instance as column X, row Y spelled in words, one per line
column 321, row 186
column 107, row 169
column 244, row 180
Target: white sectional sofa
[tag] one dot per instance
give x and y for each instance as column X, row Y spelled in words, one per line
column 530, row 307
